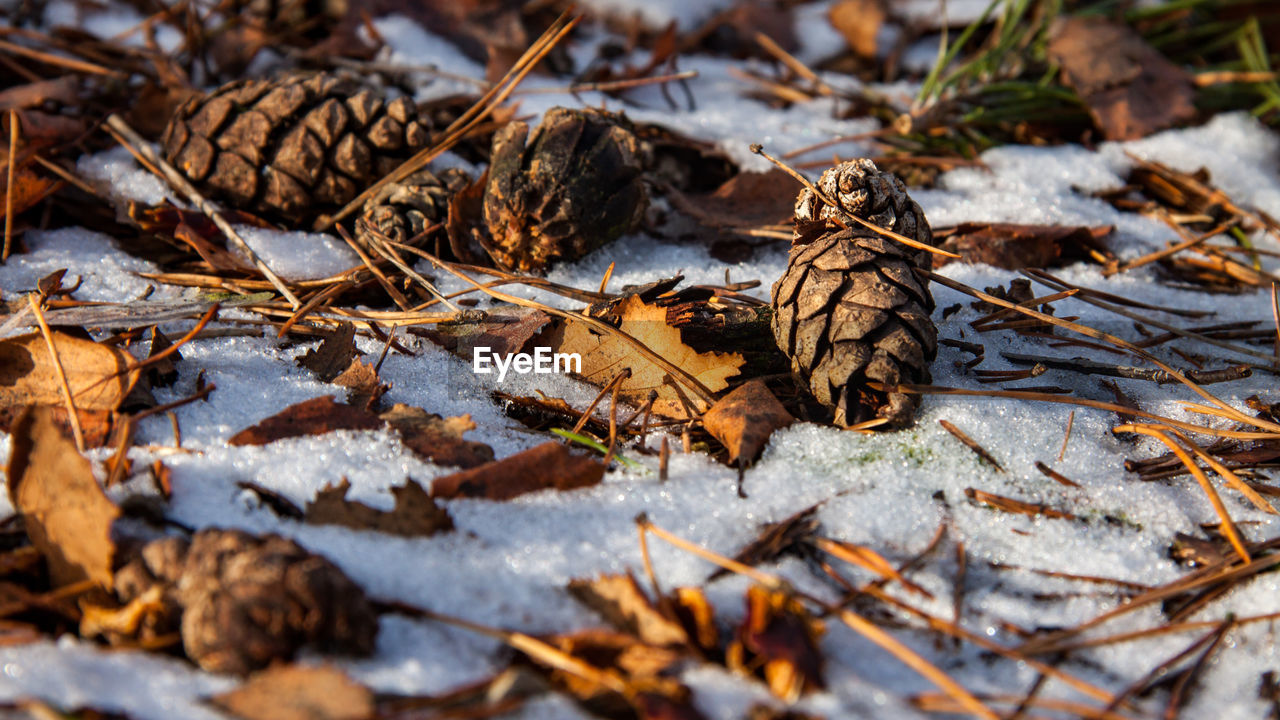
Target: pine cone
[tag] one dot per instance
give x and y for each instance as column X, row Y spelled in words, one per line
column 849, row 309
column 247, row 601
column 403, row 211
column 574, row 188
column 292, row 148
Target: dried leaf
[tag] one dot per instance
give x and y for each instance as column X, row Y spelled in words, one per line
column 162, row 372
column 296, row 692
column 605, row 355
column 620, row 601
column 68, row 518
column 1131, row 89
column 364, row 388
column 744, row 419
column 415, row 513
column 780, row 635
column 64, row 90
column 278, row 503
column 334, row 354
column 746, row 200
column 310, row 417
column 29, row 188
column 789, row 535
column 503, row 331
column 1013, row 247
column 27, row 375
column 549, row 465
column 438, row 439
column 643, row 669
column 859, row 21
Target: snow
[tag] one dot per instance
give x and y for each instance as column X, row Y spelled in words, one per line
column 507, row 563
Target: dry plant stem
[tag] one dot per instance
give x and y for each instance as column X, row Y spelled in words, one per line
column 1171, row 250
column 137, row 365
column 1083, row 402
column 59, row 61
column 62, row 172
column 1066, row 437
column 8, row 190
column 1228, row 525
column 400, row 300
column 689, row 381
column 394, row 257
column 856, row 622
column 474, row 115
column 1099, row 335
column 758, row 150
column 613, row 424
column 971, row 444
column 1226, row 474
column 1005, row 312
column 1162, row 668
column 608, row 273
column 320, row 298
column 72, row 416
column 613, row 85
column 1275, row 315
column 1047, row 279
column 791, row 62
column 1184, row 681
column 175, row 179
column 586, row 414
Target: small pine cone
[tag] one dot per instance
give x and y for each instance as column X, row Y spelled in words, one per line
column 849, row 309
column 248, row 601
column 403, row 211
column 292, row 148
column 575, row 187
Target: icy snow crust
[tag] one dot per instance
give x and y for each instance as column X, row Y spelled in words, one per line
column 507, row 563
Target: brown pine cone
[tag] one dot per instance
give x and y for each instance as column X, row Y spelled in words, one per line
column 849, row 309
column 246, row 601
column 575, row 187
column 292, row 148
column 403, row 211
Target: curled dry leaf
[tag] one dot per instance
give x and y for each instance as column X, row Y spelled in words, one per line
column 620, row 601
column 415, row 513
column 549, row 465
column 310, row 417
column 744, row 419
column 67, row 516
column 297, row 692
column 334, row 353
column 779, row 636
column 1132, row 90
column 437, row 439
column 606, row 355
column 1013, row 247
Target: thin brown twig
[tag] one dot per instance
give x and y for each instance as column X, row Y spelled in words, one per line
column 72, row 416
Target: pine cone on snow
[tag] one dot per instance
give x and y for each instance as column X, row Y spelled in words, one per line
column 292, row 148
column 246, row 601
column 849, row 309
column 575, row 187
column 403, row 211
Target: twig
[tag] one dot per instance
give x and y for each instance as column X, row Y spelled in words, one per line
column 72, row 416
column 1071, row 419
column 176, row 179
column 1056, row 476
column 1166, row 252
column 971, row 444
column 8, row 190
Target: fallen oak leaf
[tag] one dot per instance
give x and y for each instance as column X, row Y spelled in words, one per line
column 437, row 439
column 549, row 465
column 415, row 513
column 605, row 355
column 620, row 601
column 68, row 518
column 744, row 419
column 309, row 417
column 297, row 692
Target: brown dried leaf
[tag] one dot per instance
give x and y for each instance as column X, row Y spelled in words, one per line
column 746, row 200
column 64, row 90
column 68, row 518
column 415, row 514
column 333, row 355
column 438, row 439
column 644, row 669
column 297, row 692
column 744, row 419
column 549, row 465
column 605, row 355
column 503, row 331
column 780, row 636
column 1131, row 89
column 620, row 601
column 1013, row 247
column 310, row 417
column 465, row 221
column 859, row 21
column 28, row 377
column 776, row 539
column 364, row 388
column 29, row 188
